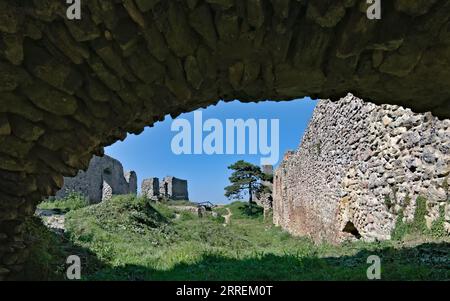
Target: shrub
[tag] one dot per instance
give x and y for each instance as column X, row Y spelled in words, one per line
column 418, row 225
column 221, row 210
column 218, row 219
column 401, row 228
column 437, row 228
column 187, row 216
column 388, row 202
column 241, row 210
column 73, row 201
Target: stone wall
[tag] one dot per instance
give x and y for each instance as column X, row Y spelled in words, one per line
column 174, row 188
column 357, row 166
column 150, row 188
column 131, row 179
column 169, row 188
column 104, row 178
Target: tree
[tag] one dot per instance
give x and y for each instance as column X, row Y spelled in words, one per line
column 245, row 179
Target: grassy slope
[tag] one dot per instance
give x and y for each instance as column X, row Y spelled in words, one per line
column 137, row 241
column 72, row 202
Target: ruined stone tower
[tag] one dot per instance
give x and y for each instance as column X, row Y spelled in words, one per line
column 168, row 188
column 174, row 188
column 150, row 188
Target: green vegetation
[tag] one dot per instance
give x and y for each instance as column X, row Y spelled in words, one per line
column 241, row 211
column 133, row 239
column 437, row 227
column 418, row 227
column 48, row 253
column 72, row 202
column 47, row 260
column 245, row 180
column 221, row 210
column 179, row 203
column 319, row 148
column 401, row 228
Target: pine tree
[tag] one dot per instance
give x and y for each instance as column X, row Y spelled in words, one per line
column 245, row 179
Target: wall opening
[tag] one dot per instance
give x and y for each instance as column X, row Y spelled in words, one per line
column 166, row 190
column 350, row 228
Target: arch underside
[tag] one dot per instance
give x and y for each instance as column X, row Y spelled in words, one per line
column 69, row 88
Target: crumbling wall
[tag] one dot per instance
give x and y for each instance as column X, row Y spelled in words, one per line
column 131, row 179
column 169, row 188
column 174, row 188
column 150, row 188
column 358, row 165
column 104, row 178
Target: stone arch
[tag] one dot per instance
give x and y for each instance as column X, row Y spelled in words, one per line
column 69, row 88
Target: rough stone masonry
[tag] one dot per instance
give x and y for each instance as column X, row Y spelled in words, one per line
column 169, row 188
column 357, row 166
column 104, row 178
column 69, row 88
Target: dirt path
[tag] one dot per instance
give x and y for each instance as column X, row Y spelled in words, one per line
column 228, row 217
column 53, row 219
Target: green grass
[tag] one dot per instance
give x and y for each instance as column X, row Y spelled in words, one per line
column 72, row 202
column 48, row 253
column 179, row 203
column 221, row 210
column 242, row 210
column 138, row 240
column 48, row 257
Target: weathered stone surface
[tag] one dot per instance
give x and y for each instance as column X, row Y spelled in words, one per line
column 150, row 188
column 356, row 168
column 131, row 179
column 174, row 188
column 90, row 81
column 168, row 188
column 104, row 178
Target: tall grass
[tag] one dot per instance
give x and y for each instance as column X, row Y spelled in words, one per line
column 140, row 240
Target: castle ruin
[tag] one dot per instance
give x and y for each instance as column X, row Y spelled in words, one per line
column 104, row 178
column 168, row 188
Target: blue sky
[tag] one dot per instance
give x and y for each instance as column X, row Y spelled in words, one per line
column 150, row 153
